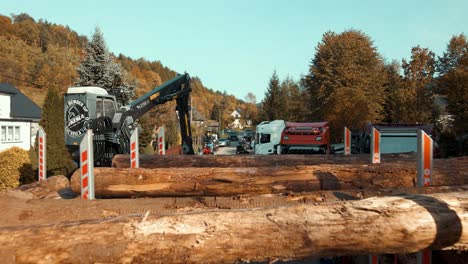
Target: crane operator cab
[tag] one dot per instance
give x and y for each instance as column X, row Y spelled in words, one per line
column 87, row 107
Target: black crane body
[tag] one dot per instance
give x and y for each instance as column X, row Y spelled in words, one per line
column 93, row 107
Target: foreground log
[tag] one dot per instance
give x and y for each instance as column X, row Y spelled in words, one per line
column 16, row 212
column 235, row 161
column 53, row 187
column 112, row 182
column 400, row 224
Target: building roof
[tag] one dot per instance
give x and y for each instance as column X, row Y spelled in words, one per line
column 21, row 105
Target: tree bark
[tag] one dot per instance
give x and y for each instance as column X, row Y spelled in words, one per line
column 113, row 182
column 399, row 224
column 17, row 211
column 53, row 187
column 234, row 161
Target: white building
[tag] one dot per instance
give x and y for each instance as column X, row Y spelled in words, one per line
column 236, row 116
column 19, row 118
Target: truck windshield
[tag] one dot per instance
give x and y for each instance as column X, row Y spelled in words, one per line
column 109, row 108
column 105, row 106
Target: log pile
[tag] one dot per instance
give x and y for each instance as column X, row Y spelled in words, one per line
column 398, row 224
column 236, row 161
column 245, row 208
column 228, row 181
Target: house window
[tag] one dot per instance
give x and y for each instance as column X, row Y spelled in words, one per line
column 3, row 134
column 10, row 133
column 17, row 133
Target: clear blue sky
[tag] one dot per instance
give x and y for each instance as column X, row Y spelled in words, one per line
column 236, row 45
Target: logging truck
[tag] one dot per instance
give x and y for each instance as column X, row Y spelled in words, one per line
column 282, row 137
column 93, row 108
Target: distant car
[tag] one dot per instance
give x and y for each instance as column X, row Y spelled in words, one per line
column 223, row 142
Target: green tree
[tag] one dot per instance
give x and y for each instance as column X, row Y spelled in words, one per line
column 296, row 100
column 417, row 94
column 346, row 81
column 457, row 48
column 453, row 81
column 215, row 112
column 59, row 161
column 99, row 69
column 274, row 103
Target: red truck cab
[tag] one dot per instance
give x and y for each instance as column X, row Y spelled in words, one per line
column 298, row 137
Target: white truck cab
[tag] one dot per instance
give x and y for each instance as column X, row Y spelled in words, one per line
column 268, row 137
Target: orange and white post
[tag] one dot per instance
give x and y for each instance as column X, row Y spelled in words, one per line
column 87, row 166
column 161, row 144
column 425, row 145
column 375, row 146
column 375, row 159
column 347, row 141
column 134, row 150
column 42, row 172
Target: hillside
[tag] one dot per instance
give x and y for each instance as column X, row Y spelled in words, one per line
column 39, row 54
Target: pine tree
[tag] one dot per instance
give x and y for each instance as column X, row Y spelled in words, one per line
column 274, row 102
column 59, row 161
column 296, row 101
column 457, row 48
column 99, row 69
column 346, row 81
column 453, row 81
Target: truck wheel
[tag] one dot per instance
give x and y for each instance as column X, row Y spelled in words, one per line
column 278, row 150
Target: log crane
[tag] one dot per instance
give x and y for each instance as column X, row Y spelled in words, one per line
column 93, row 107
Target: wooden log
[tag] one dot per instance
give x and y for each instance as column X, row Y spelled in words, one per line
column 234, row 161
column 53, row 187
column 400, row 224
column 452, row 165
column 119, row 182
column 16, row 212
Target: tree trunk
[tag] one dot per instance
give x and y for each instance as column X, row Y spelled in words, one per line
column 234, row 161
column 113, row 182
column 399, row 224
column 17, row 212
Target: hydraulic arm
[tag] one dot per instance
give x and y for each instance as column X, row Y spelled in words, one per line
column 92, row 107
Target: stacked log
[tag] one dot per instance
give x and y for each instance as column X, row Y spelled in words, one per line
column 398, row 224
column 216, row 181
column 235, row 161
column 274, row 227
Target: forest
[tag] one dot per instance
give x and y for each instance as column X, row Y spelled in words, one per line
column 39, row 55
column 349, row 83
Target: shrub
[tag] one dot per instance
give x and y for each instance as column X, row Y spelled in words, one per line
column 15, row 165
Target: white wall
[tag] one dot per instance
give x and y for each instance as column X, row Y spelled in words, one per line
column 24, row 141
column 4, row 106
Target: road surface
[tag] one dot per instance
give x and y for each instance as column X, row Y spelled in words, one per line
column 231, row 150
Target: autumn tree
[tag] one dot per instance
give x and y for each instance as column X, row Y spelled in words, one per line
column 274, row 103
column 417, row 92
column 453, row 81
column 99, row 69
column 346, row 81
column 393, row 91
